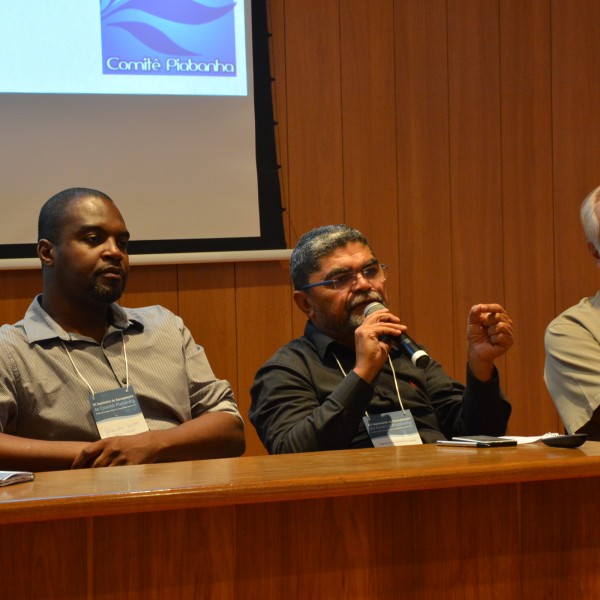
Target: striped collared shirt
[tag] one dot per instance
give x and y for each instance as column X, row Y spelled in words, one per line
column 42, row 396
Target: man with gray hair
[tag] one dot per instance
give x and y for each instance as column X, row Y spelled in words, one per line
column 572, row 340
column 348, row 383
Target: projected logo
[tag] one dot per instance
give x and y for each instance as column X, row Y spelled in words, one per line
column 168, row 37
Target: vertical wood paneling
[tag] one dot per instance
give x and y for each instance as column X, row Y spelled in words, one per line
column 459, row 135
column 550, row 552
column 149, row 285
column 576, row 148
column 328, row 544
column 336, row 567
column 207, row 306
column 369, row 128
column 173, row 565
column 475, row 167
column 464, row 562
column 424, row 243
column 314, row 113
column 17, row 289
column 527, row 205
column 263, row 317
column 50, row 575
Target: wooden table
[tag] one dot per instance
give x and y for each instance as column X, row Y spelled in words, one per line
column 412, row 522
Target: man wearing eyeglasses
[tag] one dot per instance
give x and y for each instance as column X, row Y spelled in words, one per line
column 346, row 383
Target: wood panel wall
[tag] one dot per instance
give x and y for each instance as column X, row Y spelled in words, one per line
column 459, row 135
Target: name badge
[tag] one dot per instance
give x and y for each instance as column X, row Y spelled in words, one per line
column 117, row 412
column 396, row 428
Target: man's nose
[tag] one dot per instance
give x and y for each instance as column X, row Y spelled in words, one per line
column 112, row 248
column 361, row 282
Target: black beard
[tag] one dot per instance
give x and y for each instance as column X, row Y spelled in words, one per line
column 106, row 294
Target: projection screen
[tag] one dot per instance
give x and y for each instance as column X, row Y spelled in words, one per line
column 150, row 101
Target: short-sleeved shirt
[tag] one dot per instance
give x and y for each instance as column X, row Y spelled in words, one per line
column 572, row 369
column 46, row 373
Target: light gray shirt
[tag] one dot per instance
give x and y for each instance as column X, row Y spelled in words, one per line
column 572, row 370
column 43, row 397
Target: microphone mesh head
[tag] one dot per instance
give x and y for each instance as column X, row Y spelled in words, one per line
column 373, row 307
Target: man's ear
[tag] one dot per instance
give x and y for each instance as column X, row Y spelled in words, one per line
column 304, row 302
column 45, row 252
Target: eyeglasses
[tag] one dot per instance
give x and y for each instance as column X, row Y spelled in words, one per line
column 343, row 281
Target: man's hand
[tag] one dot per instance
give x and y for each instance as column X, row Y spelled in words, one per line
column 371, row 350
column 141, row 448
column 211, row 435
column 489, row 335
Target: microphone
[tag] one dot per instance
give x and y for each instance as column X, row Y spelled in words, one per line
column 403, row 342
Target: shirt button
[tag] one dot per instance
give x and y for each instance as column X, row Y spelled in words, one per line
column 124, row 380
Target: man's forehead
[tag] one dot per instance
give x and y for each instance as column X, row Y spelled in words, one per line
column 352, row 256
column 90, row 211
column 350, row 251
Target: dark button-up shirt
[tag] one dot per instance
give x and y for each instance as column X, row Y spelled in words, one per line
column 302, row 401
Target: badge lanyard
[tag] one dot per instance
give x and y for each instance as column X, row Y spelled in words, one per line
column 85, row 380
column 396, row 428
column 116, row 412
column 393, row 373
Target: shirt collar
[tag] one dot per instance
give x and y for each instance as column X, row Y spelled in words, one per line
column 40, row 326
column 322, row 341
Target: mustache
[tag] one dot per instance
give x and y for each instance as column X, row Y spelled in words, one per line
column 366, row 297
column 112, row 269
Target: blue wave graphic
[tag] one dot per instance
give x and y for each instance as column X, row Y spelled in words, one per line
column 154, row 38
column 178, row 11
column 140, row 21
